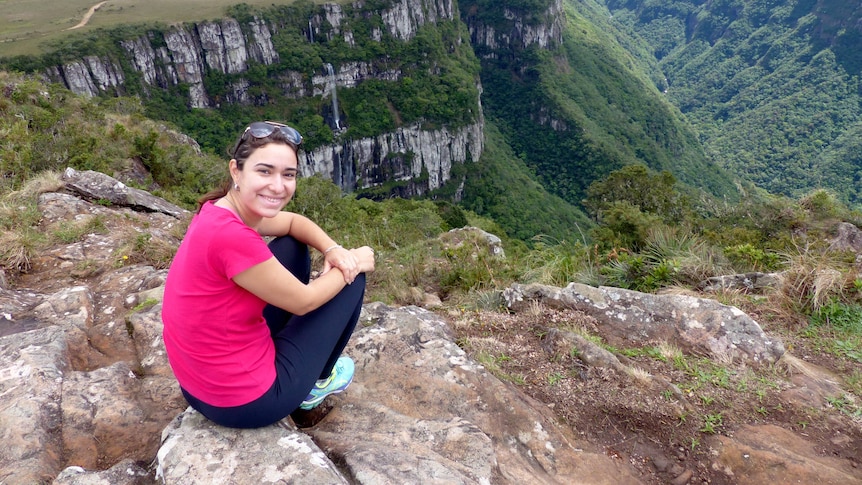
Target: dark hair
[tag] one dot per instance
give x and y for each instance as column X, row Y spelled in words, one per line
column 244, row 147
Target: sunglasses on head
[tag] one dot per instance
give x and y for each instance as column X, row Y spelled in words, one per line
column 262, row 129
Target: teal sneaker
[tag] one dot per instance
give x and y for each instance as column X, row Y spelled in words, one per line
column 339, row 379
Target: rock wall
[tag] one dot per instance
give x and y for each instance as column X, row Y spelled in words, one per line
column 406, row 155
column 184, row 53
column 499, row 35
column 512, row 30
column 402, row 19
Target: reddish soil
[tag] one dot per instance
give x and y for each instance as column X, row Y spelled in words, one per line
column 658, row 434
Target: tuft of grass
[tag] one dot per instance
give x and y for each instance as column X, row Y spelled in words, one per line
column 836, row 327
column 711, row 423
column 690, row 256
column 73, row 231
column 20, row 240
column 651, row 352
column 558, row 263
column 640, row 375
column 494, row 364
column 17, row 249
column 854, row 382
column 554, row 378
column 812, row 279
column 142, row 248
column 845, row 404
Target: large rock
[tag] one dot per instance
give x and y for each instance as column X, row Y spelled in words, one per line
column 74, row 394
column 848, row 237
column 126, row 472
column 418, row 411
column 194, row 450
column 628, row 318
column 768, row 454
column 98, row 186
column 748, row 282
column 102, row 418
column 32, row 366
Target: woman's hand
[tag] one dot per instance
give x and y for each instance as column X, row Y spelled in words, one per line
column 351, row 262
column 365, row 257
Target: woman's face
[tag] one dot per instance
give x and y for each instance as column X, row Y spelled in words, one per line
column 267, row 181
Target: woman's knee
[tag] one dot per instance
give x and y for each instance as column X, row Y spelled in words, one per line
column 293, row 255
column 359, row 283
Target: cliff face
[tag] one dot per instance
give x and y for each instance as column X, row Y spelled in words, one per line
column 495, row 33
column 417, row 159
column 188, row 51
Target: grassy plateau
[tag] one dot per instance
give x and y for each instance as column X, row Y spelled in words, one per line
column 26, row 26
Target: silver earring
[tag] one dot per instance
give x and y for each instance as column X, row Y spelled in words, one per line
column 236, row 186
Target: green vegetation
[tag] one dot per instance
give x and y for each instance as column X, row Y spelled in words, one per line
column 772, row 87
column 531, row 179
column 47, row 128
column 501, row 187
column 578, row 111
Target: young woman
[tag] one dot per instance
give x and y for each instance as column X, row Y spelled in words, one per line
column 249, row 337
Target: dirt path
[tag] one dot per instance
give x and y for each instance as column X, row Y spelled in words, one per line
column 87, row 16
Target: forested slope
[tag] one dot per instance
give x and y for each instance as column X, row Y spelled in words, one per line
column 772, row 87
column 578, row 110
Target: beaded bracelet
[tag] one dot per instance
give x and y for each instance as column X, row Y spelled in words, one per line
column 330, row 248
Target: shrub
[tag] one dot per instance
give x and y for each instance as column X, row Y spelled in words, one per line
column 452, row 215
column 813, row 279
column 469, row 265
column 558, row 263
column 821, row 203
column 623, row 225
column 747, row 257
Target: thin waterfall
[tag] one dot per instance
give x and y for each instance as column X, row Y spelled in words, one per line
column 336, row 117
column 310, row 32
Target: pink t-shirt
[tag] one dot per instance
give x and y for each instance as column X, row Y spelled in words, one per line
column 217, row 340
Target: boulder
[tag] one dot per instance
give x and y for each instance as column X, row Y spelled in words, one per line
column 195, row 450
column 126, row 472
column 848, row 237
column 630, row 318
column 32, row 366
column 769, row 454
column 98, row 186
column 748, row 282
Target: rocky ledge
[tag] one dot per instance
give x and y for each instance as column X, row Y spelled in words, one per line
column 86, row 395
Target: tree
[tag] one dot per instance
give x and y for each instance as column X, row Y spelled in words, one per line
column 639, row 187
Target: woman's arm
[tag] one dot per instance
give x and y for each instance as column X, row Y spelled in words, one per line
column 306, row 231
column 274, row 284
column 300, row 227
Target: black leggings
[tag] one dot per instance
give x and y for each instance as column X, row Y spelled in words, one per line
column 306, row 346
